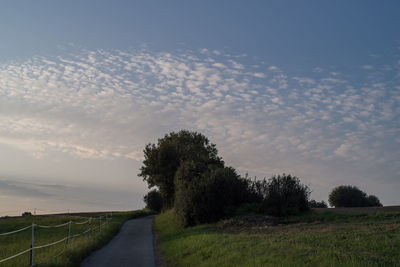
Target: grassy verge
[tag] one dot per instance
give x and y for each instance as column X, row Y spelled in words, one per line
column 314, row 239
column 57, row 255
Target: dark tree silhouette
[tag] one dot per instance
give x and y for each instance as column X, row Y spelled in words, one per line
column 153, row 200
column 164, row 158
column 351, row 196
column 374, row 201
column 204, row 197
column 285, row 195
column 315, row 204
column 281, row 195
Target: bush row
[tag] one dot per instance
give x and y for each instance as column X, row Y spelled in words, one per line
column 193, row 179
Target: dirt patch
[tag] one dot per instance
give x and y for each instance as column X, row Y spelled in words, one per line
column 248, row 222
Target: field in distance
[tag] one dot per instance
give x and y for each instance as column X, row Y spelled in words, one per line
column 327, row 237
column 82, row 236
column 361, row 209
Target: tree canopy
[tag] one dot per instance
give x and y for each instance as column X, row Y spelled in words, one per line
column 163, row 159
column 208, row 196
column 352, row 196
column 315, row 204
column 153, row 200
column 283, row 195
column 374, row 201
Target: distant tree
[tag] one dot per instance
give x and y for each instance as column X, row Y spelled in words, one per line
column 26, row 213
column 315, row 204
column 348, row 196
column 162, row 160
column 374, row 201
column 153, row 200
column 283, row 195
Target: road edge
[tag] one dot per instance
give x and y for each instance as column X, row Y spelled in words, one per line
column 157, row 261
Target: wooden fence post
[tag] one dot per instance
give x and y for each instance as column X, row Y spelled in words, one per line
column 32, row 258
column 68, row 234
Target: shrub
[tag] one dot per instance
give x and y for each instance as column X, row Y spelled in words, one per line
column 153, row 200
column 248, row 208
column 283, row 195
column 257, row 189
column 348, row 196
column 26, row 213
column 374, row 201
column 315, row 204
column 207, row 196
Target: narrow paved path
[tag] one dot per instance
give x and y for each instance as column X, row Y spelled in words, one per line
column 132, row 246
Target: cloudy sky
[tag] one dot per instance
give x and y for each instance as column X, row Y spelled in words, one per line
column 311, row 89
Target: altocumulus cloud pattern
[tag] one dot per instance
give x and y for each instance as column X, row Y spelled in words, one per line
column 109, row 104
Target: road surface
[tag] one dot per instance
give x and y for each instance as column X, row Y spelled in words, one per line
column 132, row 246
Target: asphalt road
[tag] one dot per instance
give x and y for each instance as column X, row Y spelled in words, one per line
column 132, row 246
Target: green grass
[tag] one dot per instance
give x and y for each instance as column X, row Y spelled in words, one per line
column 78, row 248
column 313, row 239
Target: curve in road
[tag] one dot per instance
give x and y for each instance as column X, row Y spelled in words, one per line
column 132, row 246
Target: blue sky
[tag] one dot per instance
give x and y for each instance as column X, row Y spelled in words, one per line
column 290, row 32
column 308, row 88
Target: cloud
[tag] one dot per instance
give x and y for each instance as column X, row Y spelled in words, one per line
column 273, row 68
column 44, row 197
column 318, row 69
column 8, row 187
column 109, row 104
column 259, row 75
column 367, row 67
column 343, row 150
column 236, row 65
column 304, row 80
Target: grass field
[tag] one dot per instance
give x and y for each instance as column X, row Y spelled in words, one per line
column 314, row 239
column 57, row 255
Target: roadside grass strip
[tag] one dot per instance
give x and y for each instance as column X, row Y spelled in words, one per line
column 57, row 240
column 309, row 240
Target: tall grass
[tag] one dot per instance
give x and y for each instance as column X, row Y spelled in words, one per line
column 59, row 254
column 308, row 240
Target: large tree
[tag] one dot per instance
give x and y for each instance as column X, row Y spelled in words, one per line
column 162, row 160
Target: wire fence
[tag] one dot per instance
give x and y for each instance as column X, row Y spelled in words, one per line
column 103, row 222
column 37, row 211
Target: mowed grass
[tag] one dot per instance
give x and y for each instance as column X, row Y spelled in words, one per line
column 314, row 239
column 58, row 255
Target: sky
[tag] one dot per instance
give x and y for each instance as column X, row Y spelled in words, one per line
column 310, row 88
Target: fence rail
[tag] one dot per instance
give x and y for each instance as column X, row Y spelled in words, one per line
column 106, row 220
column 16, row 231
column 52, row 226
column 16, row 255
